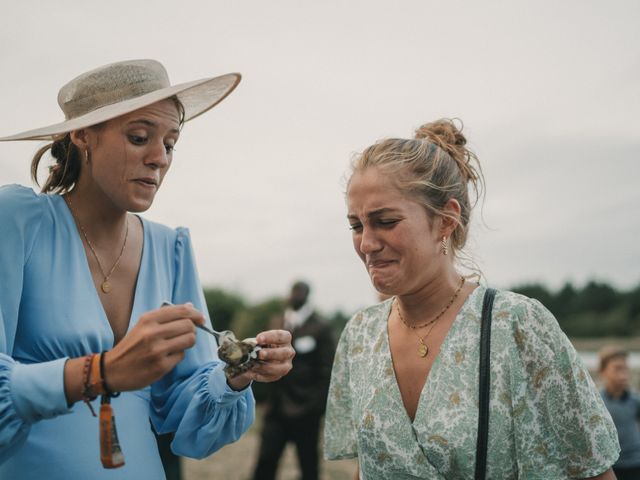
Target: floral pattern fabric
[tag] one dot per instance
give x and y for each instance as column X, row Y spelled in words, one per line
column 547, row 420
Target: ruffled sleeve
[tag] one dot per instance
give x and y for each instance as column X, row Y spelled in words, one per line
column 194, row 399
column 339, row 432
column 28, row 393
column 561, row 425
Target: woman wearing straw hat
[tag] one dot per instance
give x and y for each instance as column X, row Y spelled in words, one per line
column 435, row 382
column 82, row 285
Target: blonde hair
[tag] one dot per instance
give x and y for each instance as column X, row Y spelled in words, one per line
column 432, row 168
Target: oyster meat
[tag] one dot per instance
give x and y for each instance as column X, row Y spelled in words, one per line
column 239, row 355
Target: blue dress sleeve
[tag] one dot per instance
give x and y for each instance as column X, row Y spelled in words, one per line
column 28, row 393
column 194, row 399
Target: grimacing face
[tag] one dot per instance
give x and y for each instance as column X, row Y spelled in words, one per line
column 130, row 155
column 393, row 235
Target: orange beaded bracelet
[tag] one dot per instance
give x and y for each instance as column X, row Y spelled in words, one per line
column 87, row 394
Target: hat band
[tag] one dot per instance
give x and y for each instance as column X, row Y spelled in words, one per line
column 82, row 105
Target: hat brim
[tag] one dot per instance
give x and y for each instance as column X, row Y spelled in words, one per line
column 197, row 97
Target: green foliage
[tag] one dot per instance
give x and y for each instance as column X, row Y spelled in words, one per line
column 537, row 291
column 593, row 311
column 257, row 318
column 614, row 323
column 596, row 297
column 222, row 307
column 564, row 301
column 337, row 320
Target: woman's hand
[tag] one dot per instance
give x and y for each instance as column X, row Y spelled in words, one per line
column 152, row 348
column 275, row 359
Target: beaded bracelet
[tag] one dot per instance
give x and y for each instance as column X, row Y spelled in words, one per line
column 87, row 396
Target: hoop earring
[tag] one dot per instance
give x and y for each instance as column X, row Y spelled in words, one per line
column 86, row 156
column 444, row 246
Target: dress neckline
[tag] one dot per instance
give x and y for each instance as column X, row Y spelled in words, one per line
column 79, row 247
column 444, row 347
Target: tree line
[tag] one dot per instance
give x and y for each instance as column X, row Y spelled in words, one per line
column 594, row 310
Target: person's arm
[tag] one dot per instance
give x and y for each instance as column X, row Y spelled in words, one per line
column 195, row 400
column 340, row 432
column 557, row 403
column 28, row 392
column 204, row 408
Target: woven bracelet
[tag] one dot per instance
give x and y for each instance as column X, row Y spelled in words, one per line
column 107, row 390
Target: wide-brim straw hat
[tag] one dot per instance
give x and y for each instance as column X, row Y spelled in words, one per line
column 120, row 88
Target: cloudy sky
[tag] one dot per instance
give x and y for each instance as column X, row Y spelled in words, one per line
column 549, row 93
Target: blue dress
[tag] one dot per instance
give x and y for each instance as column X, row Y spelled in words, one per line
column 50, row 311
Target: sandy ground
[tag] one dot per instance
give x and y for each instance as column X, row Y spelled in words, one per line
column 236, row 462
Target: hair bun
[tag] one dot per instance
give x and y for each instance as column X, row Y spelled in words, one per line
column 60, row 149
column 445, row 134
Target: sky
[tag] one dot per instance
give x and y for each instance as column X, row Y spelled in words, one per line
column 549, row 93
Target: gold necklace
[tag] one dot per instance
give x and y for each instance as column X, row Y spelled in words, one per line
column 423, row 349
column 105, row 286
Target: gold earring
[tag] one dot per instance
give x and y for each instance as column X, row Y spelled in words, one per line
column 444, row 246
column 86, row 156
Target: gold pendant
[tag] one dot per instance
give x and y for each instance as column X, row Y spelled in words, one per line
column 106, row 286
column 423, row 350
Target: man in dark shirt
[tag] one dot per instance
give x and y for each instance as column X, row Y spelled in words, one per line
column 624, row 407
column 297, row 401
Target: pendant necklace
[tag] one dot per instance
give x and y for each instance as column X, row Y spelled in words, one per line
column 423, row 349
column 105, row 286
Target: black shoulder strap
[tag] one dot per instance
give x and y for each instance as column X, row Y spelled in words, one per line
column 484, row 385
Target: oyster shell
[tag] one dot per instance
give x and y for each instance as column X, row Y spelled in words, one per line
column 239, row 355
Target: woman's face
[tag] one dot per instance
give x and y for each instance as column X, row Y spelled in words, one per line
column 392, row 234
column 130, row 155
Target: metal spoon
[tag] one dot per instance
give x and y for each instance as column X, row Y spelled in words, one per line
column 215, row 333
column 226, row 335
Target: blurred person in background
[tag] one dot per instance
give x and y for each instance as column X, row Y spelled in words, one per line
column 624, row 407
column 296, row 403
column 404, row 391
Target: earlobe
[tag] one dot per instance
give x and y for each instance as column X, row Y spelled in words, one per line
column 450, row 218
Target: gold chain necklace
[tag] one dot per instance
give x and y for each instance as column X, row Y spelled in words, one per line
column 105, row 286
column 423, row 349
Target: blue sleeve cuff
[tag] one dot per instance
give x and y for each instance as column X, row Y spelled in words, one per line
column 38, row 390
column 220, row 390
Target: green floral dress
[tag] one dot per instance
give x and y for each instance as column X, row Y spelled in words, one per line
column 547, row 420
